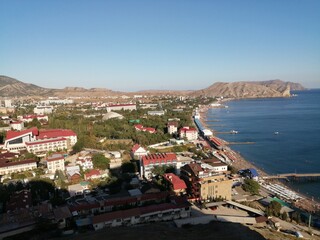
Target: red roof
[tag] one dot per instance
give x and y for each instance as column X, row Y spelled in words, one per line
column 188, row 129
column 177, row 183
column 135, row 148
column 17, row 122
column 158, row 158
column 14, row 134
column 15, row 163
column 55, row 133
column 93, row 172
column 215, row 141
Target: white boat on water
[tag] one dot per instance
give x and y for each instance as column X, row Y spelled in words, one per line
column 276, row 133
column 234, row 132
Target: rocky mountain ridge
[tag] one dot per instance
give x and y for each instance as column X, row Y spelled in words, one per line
column 10, row 87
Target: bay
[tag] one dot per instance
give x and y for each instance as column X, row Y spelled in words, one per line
column 285, row 132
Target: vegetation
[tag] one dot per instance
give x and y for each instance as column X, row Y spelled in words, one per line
column 129, row 167
column 273, row 209
column 160, row 170
column 251, row 186
column 100, row 161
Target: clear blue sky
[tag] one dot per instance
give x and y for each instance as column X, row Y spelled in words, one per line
column 174, row 44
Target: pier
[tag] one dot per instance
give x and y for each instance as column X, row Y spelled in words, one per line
column 239, row 143
column 295, row 176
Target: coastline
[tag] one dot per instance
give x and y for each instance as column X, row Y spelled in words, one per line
column 306, row 203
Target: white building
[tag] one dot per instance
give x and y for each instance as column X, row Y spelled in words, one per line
column 137, row 152
column 17, row 125
column 15, row 141
column 55, row 162
column 43, row 110
column 189, row 133
column 156, row 113
column 17, row 166
column 85, row 162
column 118, row 107
column 172, row 127
column 41, row 147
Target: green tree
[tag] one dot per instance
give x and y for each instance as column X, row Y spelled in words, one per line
column 100, row 161
column 160, row 170
column 284, row 216
column 78, row 146
column 251, row 186
column 129, row 167
column 273, row 209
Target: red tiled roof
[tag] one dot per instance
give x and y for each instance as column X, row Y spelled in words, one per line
column 187, row 129
column 172, row 124
column 55, row 133
column 15, row 163
column 215, row 141
column 159, row 158
column 17, row 122
column 93, row 172
column 135, row 148
column 177, row 182
column 14, row 134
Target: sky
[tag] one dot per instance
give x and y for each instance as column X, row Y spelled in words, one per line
column 169, row 44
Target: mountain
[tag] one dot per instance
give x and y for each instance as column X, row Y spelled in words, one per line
column 10, row 87
column 271, row 88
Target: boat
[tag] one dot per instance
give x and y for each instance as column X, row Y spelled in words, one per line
column 233, row 132
column 276, row 133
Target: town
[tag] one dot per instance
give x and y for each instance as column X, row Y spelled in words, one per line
column 85, row 164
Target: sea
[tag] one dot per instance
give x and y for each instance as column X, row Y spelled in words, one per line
column 285, row 133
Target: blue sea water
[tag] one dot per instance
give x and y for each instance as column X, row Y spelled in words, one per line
column 296, row 147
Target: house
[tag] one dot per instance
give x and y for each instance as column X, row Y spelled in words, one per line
column 73, row 173
column 204, row 184
column 78, row 189
column 17, row 125
column 189, row 133
column 148, row 162
column 172, row 127
column 55, row 162
column 95, row 174
column 8, row 167
column 176, row 184
column 139, row 127
column 85, row 162
column 137, row 152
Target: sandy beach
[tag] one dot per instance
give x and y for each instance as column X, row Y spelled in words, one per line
column 305, row 203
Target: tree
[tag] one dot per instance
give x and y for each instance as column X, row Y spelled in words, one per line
column 284, row 216
column 129, row 167
column 251, row 186
column 78, row 146
column 296, row 217
column 273, row 209
column 100, row 161
column 160, row 170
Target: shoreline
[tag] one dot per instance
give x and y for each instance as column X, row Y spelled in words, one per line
column 306, row 203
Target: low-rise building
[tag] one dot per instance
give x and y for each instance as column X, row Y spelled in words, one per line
column 189, row 133
column 8, row 167
column 176, row 184
column 156, row 113
column 137, row 152
column 55, row 162
column 172, row 127
column 85, row 162
column 205, row 184
column 41, row 147
column 118, row 107
column 43, row 110
column 17, row 125
column 139, row 127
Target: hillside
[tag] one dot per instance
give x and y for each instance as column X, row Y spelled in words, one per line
column 10, row 87
column 272, row 88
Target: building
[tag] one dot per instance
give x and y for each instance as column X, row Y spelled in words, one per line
column 156, row 113
column 29, row 118
column 152, row 213
column 95, row 174
column 17, row 125
column 148, row 162
column 41, row 147
column 85, row 162
column 172, row 127
column 15, row 140
column 8, row 167
column 19, row 200
column 204, row 184
column 54, row 100
column 139, row 127
column 189, row 133
column 55, row 162
column 176, row 184
column 118, row 107
column 43, row 110
column 137, row 152
column 78, row 189
column 38, row 141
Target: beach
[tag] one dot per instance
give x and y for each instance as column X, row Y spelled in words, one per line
column 305, row 203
